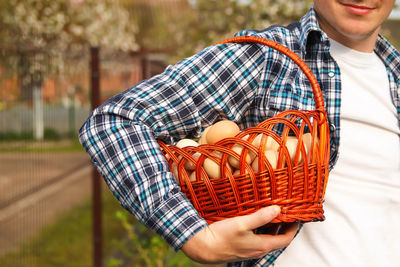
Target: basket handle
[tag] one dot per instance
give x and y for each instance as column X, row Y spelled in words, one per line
column 318, row 98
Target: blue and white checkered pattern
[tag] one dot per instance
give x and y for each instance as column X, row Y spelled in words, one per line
column 245, row 83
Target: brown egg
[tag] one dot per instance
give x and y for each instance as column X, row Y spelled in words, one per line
column 270, row 144
column 189, row 165
column 307, row 141
column 235, row 163
column 203, row 137
column 272, row 157
column 175, row 172
column 212, row 168
column 236, row 172
column 291, row 145
column 175, row 169
column 186, row 142
column 192, row 177
column 221, row 130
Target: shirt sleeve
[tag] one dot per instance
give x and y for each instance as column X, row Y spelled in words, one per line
column 121, row 135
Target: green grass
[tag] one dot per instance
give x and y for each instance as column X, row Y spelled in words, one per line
column 66, row 145
column 68, row 242
column 48, row 134
column 53, row 141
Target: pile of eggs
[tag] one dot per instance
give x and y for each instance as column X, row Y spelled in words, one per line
column 225, row 129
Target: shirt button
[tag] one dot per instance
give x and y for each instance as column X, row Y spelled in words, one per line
column 331, row 74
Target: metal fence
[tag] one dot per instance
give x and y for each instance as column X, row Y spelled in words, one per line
column 54, row 208
column 45, row 176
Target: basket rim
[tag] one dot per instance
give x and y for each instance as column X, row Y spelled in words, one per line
column 320, row 128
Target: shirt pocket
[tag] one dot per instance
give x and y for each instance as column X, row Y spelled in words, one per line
column 288, row 91
column 285, row 90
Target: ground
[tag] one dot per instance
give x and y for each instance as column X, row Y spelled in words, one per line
column 37, row 187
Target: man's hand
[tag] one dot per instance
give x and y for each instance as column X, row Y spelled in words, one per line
column 233, row 239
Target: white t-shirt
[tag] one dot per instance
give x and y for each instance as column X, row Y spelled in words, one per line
column 362, row 201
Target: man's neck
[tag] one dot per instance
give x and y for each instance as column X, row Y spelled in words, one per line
column 366, row 45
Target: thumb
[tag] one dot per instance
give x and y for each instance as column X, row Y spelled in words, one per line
column 260, row 217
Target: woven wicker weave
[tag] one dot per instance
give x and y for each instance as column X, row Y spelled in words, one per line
column 296, row 185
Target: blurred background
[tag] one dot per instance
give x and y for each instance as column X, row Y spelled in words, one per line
column 58, row 60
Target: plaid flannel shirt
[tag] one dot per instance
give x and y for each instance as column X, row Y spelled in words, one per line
column 245, row 83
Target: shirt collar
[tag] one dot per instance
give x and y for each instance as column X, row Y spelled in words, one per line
column 310, row 31
column 311, row 34
column 389, row 55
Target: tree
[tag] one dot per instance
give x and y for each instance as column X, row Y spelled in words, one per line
column 215, row 20
column 38, row 38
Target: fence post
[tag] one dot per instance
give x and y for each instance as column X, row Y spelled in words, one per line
column 38, row 126
column 96, row 185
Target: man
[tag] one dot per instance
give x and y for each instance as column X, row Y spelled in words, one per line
column 363, row 194
column 246, row 83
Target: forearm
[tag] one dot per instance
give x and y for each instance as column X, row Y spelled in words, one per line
column 121, row 138
column 133, row 167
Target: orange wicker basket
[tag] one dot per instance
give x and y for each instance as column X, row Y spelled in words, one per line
column 296, row 185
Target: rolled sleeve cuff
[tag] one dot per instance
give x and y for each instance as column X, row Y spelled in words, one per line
column 176, row 220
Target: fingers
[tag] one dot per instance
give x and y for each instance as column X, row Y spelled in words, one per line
column 259, row 218
column 282, row 239
column 268, row 229
column 288, row 228
column 233, row 239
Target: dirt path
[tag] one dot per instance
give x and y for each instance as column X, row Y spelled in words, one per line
column 35, row 189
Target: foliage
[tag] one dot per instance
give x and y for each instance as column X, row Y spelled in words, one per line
column 49, row 134
column 39, row 25
column 40, row 38
column 215, row 20
column 144, row 248
column 67, row 242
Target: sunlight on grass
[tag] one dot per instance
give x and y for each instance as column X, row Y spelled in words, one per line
column 68, row 242
column 41, row 146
